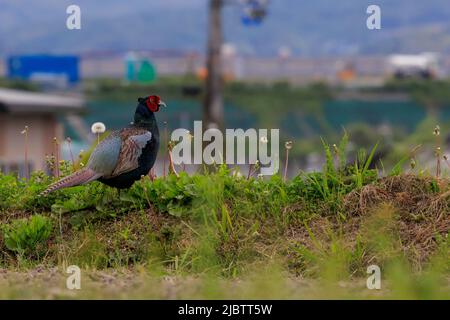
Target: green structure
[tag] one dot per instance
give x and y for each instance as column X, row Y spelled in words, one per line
column 146, row 73
column 139, row 69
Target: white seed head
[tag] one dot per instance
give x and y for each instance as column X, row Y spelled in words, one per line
column 288, row 145
column 263, row 139
column 335, row 148
column 237, row 174
column 98, row 127
column 437, row 131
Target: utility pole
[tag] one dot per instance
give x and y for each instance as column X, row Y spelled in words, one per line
column 254, row 13
column 213, row 103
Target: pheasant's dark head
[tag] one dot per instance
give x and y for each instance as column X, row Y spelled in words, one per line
column 148, row 106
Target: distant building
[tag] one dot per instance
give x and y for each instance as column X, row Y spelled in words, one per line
column 139, row 69
column 58, row 70
column 424, row 65
column 346, row 73
column 40, row 113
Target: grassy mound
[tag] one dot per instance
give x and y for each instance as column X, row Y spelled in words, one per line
column 328, row 226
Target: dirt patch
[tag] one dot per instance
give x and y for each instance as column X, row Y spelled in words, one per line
column 409, row 193
column 422, row 204
column 419, row 210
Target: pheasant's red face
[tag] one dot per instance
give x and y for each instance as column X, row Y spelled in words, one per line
column 153, row 103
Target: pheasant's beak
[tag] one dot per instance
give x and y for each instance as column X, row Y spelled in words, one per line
column 162, row 104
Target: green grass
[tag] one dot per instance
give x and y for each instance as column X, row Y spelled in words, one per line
column 220, row 235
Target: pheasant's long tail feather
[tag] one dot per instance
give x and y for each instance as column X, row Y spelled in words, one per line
column 80, row 177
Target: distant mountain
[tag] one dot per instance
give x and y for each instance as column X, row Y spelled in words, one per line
column 309, row 28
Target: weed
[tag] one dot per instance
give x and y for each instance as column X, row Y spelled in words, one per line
column 27, row 236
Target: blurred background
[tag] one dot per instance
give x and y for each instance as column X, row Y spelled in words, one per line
column 311, row 68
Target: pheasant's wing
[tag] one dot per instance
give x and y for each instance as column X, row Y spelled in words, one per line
column 105, row 156
column 133, row 141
